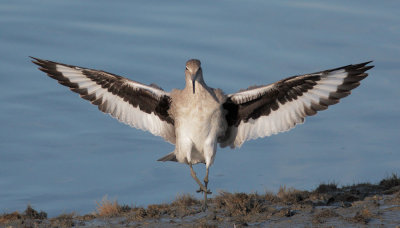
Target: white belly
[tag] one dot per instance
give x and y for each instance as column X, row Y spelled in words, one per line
column 197, row 132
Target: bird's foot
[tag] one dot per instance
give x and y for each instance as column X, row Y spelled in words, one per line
column 204, row 207
column 207, row 191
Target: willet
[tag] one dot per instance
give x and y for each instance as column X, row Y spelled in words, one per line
column 198, row 117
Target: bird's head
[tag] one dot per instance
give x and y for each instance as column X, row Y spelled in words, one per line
column 193, row 72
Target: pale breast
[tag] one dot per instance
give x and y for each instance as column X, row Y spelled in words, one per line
column 197, row 117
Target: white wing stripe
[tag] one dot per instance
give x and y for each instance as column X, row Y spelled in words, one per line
column 68, row 71
column 136, row 86
column 331, row 81
column 320, row 93
column 283, row 119
column 326, row 87
column 242, row 97
column 79, row 79
column 312, row 98
column 93, row 89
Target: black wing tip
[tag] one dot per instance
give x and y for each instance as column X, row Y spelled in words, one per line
column 363, row 65
column 352, row 67
column 49, row 67
column 36, row 61
column 43, row 64
column 359, row 69
column 47, row 63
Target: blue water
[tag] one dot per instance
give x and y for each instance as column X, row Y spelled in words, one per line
column 60, row 154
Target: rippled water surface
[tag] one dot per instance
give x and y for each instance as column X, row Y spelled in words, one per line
column 60, row 154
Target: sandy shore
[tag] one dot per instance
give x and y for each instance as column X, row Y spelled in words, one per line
column 327, row 206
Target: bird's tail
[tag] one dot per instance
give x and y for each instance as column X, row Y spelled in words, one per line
column 169, row 157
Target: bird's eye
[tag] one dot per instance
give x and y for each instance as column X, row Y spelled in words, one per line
column 187, row 68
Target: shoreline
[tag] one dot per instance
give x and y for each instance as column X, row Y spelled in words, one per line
column 327, row 205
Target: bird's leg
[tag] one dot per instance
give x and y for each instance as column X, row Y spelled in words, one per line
column 205, row 184
column 207, row 191
column 202, row 187
column 206, row 181
column 206, row 178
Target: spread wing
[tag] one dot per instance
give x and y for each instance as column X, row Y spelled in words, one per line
column 265, row 110
column 138, row 105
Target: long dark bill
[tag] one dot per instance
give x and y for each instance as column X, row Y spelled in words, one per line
column 194, row 78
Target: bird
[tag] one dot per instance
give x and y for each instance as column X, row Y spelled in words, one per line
column 198, row 118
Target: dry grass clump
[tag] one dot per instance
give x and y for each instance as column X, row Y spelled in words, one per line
column 363, row 216
column 30, row 217
column 361, row 189
column 326, row 188
column 271, row 197
column 291, row 195
column 184, row 205
column 157, row 210
column 185, row 200
column 33, row 214
column 7, row 218
column 87, row 217
column 240, row 204
column 180, row 207
column 135, row 214
column 153, row 211
column 390, row 182
column 107, row 208
column 63, row 220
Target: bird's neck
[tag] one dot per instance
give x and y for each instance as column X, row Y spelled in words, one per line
column 199, row 85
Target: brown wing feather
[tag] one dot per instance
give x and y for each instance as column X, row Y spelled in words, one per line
column 280, row 106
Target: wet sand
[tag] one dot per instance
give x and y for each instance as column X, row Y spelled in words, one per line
column 327, row 206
